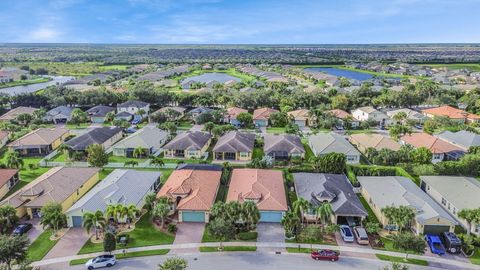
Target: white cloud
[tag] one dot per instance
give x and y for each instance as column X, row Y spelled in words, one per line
column 45, row 34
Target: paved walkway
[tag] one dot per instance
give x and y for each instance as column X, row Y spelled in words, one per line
column 36, row 229
column 451, row 264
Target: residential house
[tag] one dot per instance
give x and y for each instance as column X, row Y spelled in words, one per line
column 125, row 187
column 64, row 185
column 192, row 192
column 8, row 179
column 59, row 115
column 105, row 136
column 363, row 141
column 452, row 113
column 15, row 112
column 440, row 149
column 463, row 139
column 39, row 142
column 262, row 116
column 411, row 115
column 172, row 113
column 98, row 113
column 370, row 114
column 324, row 143
column 263, row 187
column 454, row 193
column 150, row 138
column 302, row 118
column 124, row 116
column 232, row 114
column 188, row 145
column 134, row 107
column 3, row 138
column 283, row 146
column 383, row 191
column 195, row 113
column 336, row 189
column 235, row 146
column 344, row 117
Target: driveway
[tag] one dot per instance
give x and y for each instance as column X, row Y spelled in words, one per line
column 69, row 244
column 36, row 230
column 340, row 242
column 188, row 233
column 270, row 233
column 196, row 128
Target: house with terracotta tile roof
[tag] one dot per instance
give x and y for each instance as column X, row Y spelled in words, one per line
column 39, row 142
column 13, row 113
column 452, row 113
column 262, row 115
column 192, row 192
column 232, row 114
column 3, row 138
column 234, row 145
column 302, row 118
column 64, row 185
column 264, row 187
column 363, row 141
column 440, row 149
column 344, row 117
column 8, row 179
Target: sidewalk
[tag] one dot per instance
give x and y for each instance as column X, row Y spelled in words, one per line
column 348, row 250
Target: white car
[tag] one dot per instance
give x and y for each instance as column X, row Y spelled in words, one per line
column 346, row 233
column 101, row 261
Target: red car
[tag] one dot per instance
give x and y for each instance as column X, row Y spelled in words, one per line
column 325, row 254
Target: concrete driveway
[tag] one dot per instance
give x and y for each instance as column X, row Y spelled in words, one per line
column 69, row 244
column 270, row 233
column 36, row 230
column 188, row 233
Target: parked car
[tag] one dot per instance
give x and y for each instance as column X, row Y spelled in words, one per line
column 325, row 254
column 130, row 130
column 22, row 229
column 361, row 235
column 452, row 243
column 346, row 233
column 101, row 261
column 435, row 244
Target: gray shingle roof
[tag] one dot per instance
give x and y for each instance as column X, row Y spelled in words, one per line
column 235, row 141
column 462, row 138
column 60, row 110
column 121, row 186
column 147, row 137
column 317, row 187
column 188, row 141
column 324, row 143
column 100, row 111
column 284, row 142
column 94, row 136
column 132, row 103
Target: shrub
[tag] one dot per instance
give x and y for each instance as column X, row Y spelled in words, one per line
column 245, row 236
column 172, row 228
column 310, row 234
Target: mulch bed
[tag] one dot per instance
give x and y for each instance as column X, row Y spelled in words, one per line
column 375, row 241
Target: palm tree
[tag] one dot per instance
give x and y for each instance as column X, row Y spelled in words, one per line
column 94, row 220
column 324, row 212
column 161, row 211
column 290, row 222
column 150, row 201
column 114, row 211
column 14, row 160
column 157, row 161
column 131, row 163
column 65, row 149
column 316, row 163
column 469, row 215
column 250, row 214
column 131, row 212
column 139, row 152
column 300, row 206
column 405, row 216
column 232, row 211
column 53, row 216
column 8, row 217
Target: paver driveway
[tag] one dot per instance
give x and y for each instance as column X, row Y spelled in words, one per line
column 189, row 233
column 69, row 244
column 270, row 233
column 36, row 229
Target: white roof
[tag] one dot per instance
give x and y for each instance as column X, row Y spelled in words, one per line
column 324, row 143
column 147, row 137
column 463, row 192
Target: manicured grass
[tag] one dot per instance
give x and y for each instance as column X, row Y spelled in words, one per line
column 276, row 130
column 299, row 250
column 258, row 153
column 171, row 160
column 184, row 125
column 144, row 234
column 207, row 238
column 104, row 173
column 41, row 246
column 401, row 260
column 470, row 66
column 114, row 67
column 24, row 82
column 60, row 157
column 227, row 248
column 316, row 242
column 120, row 159
column 127, row 256
column 475, row 259
column 388, row 243
column 78, row 126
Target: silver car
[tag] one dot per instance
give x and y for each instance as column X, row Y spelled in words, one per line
column 101, row 261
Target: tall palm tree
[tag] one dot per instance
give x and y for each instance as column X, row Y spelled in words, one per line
column 300, row 206
column 161, row 211
column 150, row 201
column 94, row 220
column 157, row 161
column 139, row 152
column 250, row 214
column 14, row 160
column 8, row 217
column 405, row 216
column 232, row 210
column 65, row 149
column 324, row 212
column 290, row 222
column 131, row 212
column 114, row 211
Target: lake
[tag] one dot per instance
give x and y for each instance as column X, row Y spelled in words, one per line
column 212, row 76
column 349, row 74
column 35, row 87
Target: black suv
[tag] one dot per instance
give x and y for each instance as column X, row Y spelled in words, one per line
column 451, row 242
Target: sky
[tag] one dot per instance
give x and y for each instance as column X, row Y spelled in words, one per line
column 240, row 21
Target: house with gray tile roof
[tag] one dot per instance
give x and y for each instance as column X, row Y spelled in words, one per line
column 463, row 139
column 105, row 136
column 283, row 146
column 60, row 114
column 383, row 191
column 133, row 107
column 98, row 113
column 324, row 143
column 121, row 186
column 188, row 145
column 150, row 138
column 234, row 145
column 318, row 188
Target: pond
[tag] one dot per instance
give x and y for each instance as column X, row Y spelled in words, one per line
column 212, row 76
column 35, row 87
column 349, row 74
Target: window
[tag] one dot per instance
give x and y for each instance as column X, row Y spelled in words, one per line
column 444, row 202
column 243, row 154
column 351, row 158
column 448, row 206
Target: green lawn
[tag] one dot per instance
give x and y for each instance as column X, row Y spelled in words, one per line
column 227, row 248
column 41, row 246
column 276, row 130
column 60, row 157
column 258, row 153
column 299, row 250
column 401, row 260
column 317, row 242
column 24, row 82
column 113, row 67
column 128, row 255
column 120, row 159
column 207, row 238
column 389, row 246
column 472, row 67
column 78, row 126
column 184, row 125
column 171, row 160
column 475, row 259
column 143, row 235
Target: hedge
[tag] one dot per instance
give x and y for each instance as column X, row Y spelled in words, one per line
column 245, row 236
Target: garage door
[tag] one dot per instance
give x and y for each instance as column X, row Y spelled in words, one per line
column 191, row 216
column 77, row 221
column 270, row 216
column 435, row 229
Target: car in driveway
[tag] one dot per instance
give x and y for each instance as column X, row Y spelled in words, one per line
column 435, row 244
column 324, row 254
column 101, row 261
column 22, row 229
column 346, row 234
column 451, row 242
column 361, row 235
